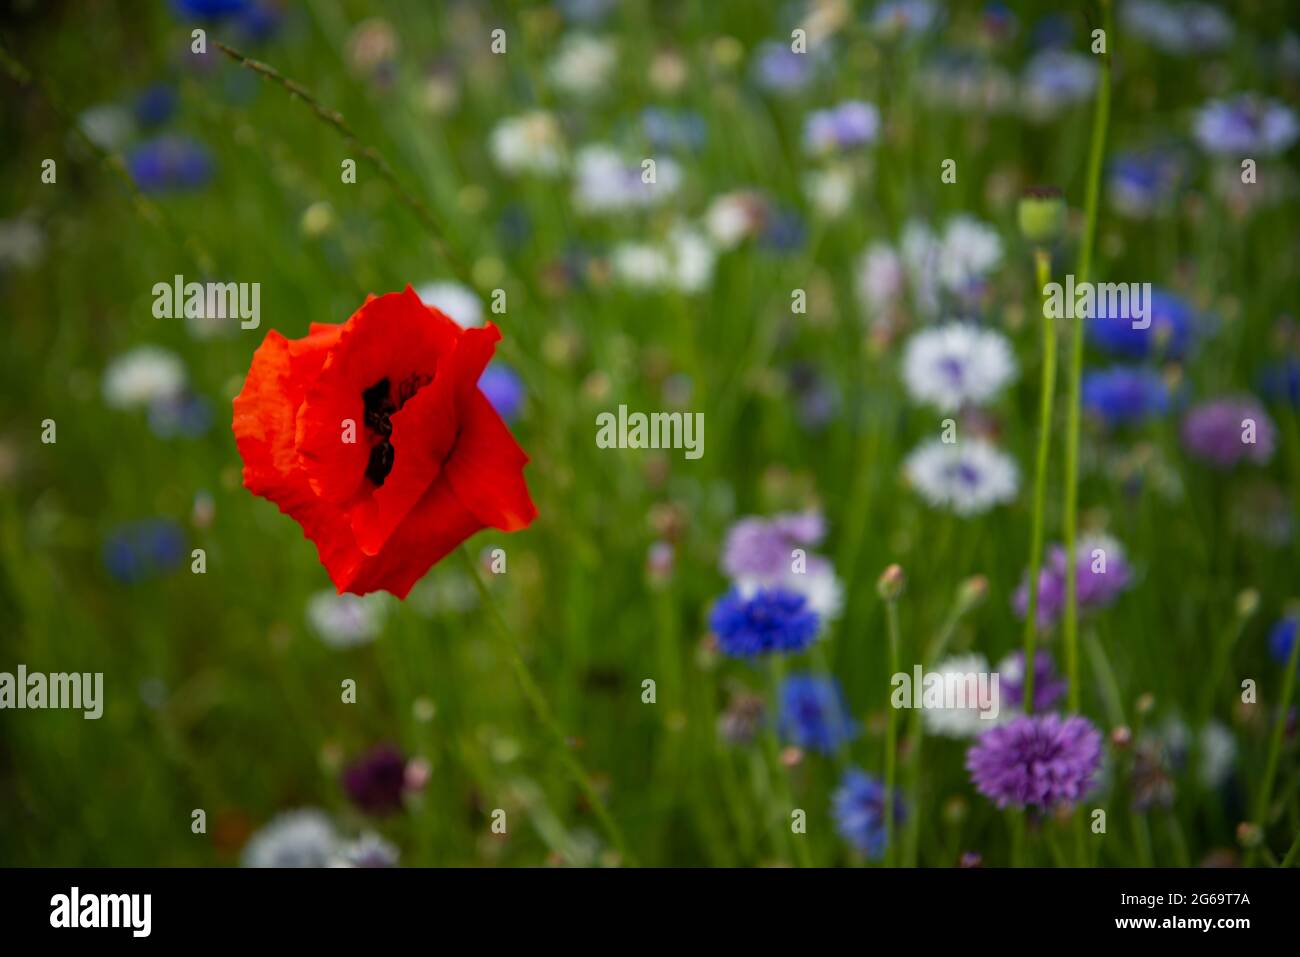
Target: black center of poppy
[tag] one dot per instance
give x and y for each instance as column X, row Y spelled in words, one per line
column 379, row 406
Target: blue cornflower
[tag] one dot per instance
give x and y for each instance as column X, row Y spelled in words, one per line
column 155, row 105
column 1168, row 336
column 783, row 231
column 208, row 9
column 1122, row 395
column 1141, row 183
column 813, row 714
column 1282, row 638
column 858, row 806
column 169, row 163
column 1280, row 382
column 768, row 620
column 503, row 389
column 138, row 550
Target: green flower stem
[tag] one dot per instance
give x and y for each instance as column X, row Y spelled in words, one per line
column 1047, row 387
column 1096, row 152
column 1275, row 745
column 543, row 711
column 783, row 795
column 891, row 732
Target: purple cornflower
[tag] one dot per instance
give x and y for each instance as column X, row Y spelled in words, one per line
column 894, row 19
column 1041, row 760
column 778, row 69
column 1169, row 334
column 1122, row 395
column 1247, row 125
column 769, row 620
column 1282, row 638
column 761, row 547
column 858, row 806
column 1049, row 687
column 504, row 390
column 375, row 781
column 1222, row 432
column 845, row 126
column 169, row 163
column 813, row 715
column 1101, row 573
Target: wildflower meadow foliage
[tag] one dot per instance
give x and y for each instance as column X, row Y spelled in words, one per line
column 313, row 314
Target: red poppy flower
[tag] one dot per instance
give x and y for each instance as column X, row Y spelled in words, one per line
column 374, row 437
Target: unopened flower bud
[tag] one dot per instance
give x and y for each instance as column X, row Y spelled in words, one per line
column 1041, row 215
column 891, row 582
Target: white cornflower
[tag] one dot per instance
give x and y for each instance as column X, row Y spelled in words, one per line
column 304, row 838
column 22, row 243
column 455, row 300
column 605, row 183
column 344, row 621
column 968, row 477
column 1218, row 754
column 962, row 722
column 881, row 278
column 684, row 262
column 530, row 143
column 583, row 65
column 830, row 190
column 956, row 364
column 734, row 217
column 368, row 850
column 143, row 376
column 969, row 251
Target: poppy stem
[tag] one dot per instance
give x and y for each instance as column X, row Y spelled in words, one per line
column 1097, row 149
column 543, row 711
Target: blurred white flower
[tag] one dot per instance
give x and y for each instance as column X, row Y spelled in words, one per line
column 22, row 243
column 142, row 377
column 1218, row 754
column 605, row 183
column 960, row 722
column 881, row 278
column 529, row 143
column 368, row 850
column 830, row 190
column 734, row 217
column 957, row 364
column 684, row 262
column 583, row 65
column 967, row 477
column 303, row 838
column 108, row 126
column 455, row 300
column 970, row 250
column 344, row 621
